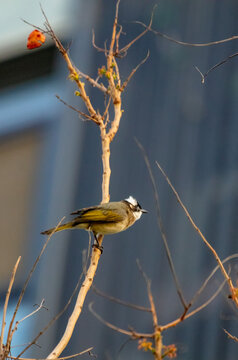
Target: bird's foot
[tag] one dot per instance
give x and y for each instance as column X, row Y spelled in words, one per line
column 97, row 246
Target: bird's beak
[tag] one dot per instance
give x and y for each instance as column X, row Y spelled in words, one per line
column 144, row 211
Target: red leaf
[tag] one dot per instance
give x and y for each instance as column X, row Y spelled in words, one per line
column 35, row 39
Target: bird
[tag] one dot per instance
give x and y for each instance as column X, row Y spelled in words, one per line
column 109, row 218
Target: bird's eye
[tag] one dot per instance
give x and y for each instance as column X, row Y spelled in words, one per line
column 138, row 206
column 134, row 207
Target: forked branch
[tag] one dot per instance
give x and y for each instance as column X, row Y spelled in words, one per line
column 222, row 62
column 6, row 302
column 234, row 292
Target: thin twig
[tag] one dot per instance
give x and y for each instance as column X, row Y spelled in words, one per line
column 213, row 251
column 74, row 75
column 198, row 293
column 191, row 313
column 119, row 301
column 233, row 256
column 149, row 294
column 231, row 336
column 7, row 300
column 94, row 45
column 161, row 226
column 161, row 328
column 183, row 42
column 110, row 54
column 87, row 117
column 34, row 26
column 133, row 71
column 135, row 335
column 118, row 85
column 49, row 31
column 39, row 307
column 148, row 28
column 118, row 37
column 122, row 346
column 93, row 82
column 106, row 110
column 55, row 318
column 27, row 316
column 60, row 358
column 203, row 76
column 9, row 336
column 86, row 285
column 24, row 344
column 157, row 331
column 114, row 31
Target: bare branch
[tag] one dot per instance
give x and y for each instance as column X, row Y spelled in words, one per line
column 74, row 75
column 231, row 336
column 93, row 42
column 149, row 293
column 34, row 26
column 10, row 333
column 106, row 110
column 32, row 313
column 117, row 72
column 119, row 301
column 53, row 319
column 110, row 56
column 198, row 293
column 186, row 316
column 7, row 299
column 117, row 38
column 207, row 302
column 96, row 253
column 123, row 345
column 148, row 28
column 39, row 307
column 202, row 288
column 60, row 358
column 213, row 251
column 114, row 29
column 157, row 331
column 133, row 71
column 52, row 34
column 87, row 117
column 186, row 43
column 93, row 82
column 135, row 335
column 161, row 226
column 203, row 76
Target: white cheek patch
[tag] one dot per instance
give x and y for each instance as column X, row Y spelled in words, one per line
column 132, row 200
column 137, row 214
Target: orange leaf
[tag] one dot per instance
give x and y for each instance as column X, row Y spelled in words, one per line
column 35, row 39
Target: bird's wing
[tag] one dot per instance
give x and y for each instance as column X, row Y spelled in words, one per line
column 97, row 214
column 83, row 210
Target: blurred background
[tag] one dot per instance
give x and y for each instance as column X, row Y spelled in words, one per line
column 51, row 165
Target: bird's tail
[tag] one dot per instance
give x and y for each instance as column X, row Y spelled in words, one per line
column 60, row 228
